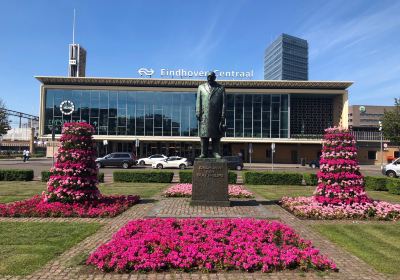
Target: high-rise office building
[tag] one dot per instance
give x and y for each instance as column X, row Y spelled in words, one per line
column 286, row 59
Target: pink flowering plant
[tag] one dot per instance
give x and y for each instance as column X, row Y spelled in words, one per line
column 74, row 176
column 340, row 192
column 107, row 206
column 72, row 188
column 185, row 190
column 207, row 245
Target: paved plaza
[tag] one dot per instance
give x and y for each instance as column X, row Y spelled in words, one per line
column 66, row 265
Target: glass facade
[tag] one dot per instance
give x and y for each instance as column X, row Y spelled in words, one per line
column 156, row 113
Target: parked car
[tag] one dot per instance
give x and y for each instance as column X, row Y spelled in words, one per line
column 234, row 162
column 392, row 169
column 124, row 160
column 171, row 162
column 151, row 159
column 314, row 163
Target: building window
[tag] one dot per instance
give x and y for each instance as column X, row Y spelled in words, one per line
column 372, row 155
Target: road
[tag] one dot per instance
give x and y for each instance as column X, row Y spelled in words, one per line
column 38, row 165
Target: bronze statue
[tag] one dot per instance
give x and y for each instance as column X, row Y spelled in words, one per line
column 210, row 112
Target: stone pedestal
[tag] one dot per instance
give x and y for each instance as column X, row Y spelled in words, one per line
column 210, row 182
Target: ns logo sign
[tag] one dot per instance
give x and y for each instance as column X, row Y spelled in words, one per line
column 146, row 71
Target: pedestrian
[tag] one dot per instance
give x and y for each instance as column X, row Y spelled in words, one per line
column 27, row 155
column 24, row 155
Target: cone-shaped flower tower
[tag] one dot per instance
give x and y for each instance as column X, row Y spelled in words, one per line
column 74, row 176
column 339, row 178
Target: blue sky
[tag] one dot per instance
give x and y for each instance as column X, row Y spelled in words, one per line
column 348, row 40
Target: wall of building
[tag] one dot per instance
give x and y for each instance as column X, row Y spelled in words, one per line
column 369, row 118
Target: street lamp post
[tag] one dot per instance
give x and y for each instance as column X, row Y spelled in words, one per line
column 381, row 132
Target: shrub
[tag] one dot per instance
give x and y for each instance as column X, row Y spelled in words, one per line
column 74, row 175
column 310, row 179
column 338, row 163
column 232, row 177
column 376, row 183
column 46, row 176
column 100, row 177
column 186, row 177
column 393, row 185
column 272, row 178
column 143, row 176
column 16, row 174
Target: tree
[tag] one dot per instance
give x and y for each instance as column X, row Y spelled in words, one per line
column 4, row 122
column 391, row 124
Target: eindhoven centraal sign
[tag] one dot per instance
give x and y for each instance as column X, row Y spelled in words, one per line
column 184, row 73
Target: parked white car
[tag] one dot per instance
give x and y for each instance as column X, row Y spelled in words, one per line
column 171, row 162
column 151, row 159
column 392, row 169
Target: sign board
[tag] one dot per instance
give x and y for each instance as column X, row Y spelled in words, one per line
column 105, row 142
column 273, row 147
column 385, row 146
column 137, row 143
column 250, row 148
column 188, row 73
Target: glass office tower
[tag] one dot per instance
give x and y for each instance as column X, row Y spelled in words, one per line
column 286, row 59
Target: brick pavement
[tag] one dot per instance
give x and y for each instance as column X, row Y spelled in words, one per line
column 65, row 267
column 180, row 207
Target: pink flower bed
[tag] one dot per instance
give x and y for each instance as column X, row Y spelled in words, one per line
column 185, row 190
column 307, row 207
column 207, row 245
column 105, row 206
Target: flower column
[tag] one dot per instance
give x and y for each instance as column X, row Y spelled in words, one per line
column 339, row 179
column 74, row 176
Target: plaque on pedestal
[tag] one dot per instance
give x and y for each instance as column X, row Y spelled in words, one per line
column 210, row 182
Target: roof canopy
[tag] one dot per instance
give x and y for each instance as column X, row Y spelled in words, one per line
column 150, row 82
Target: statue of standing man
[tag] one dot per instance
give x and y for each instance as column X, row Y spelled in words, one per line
column 210, row 112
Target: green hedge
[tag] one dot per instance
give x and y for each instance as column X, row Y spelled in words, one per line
column 186, row 177
column 376, row 183
column 393, row 185
column 143, row 176
column 46, row 176
column 232, row 177
column 310, row 179
column 272, row 178
column 16, row 174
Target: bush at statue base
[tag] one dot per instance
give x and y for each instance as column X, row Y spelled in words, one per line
column 207, row 245
column 307, row 207
column 105, row 206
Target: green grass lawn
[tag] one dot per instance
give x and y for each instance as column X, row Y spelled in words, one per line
column 385, row 196
column 27, row 246
column 277, row 192
column 18, row 190
column 376, row 244
column 14, row 191
column 145, row 190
